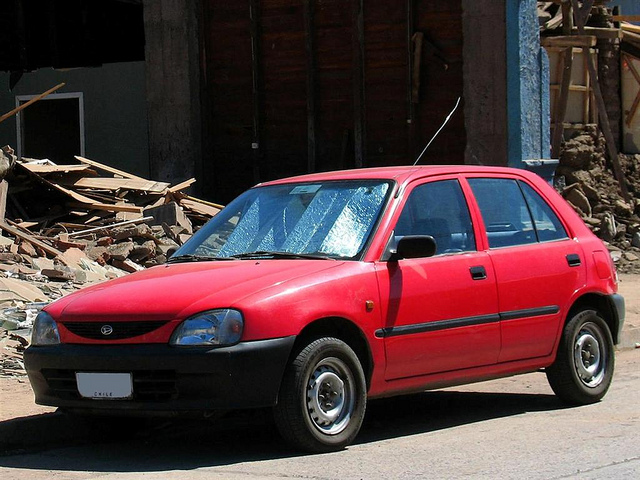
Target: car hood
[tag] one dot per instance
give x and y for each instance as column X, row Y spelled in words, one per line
column 178, row 290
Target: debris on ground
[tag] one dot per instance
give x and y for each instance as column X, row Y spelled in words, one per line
column 586, row 181
column 63, row 227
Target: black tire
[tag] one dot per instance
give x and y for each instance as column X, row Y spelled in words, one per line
column 583, row 369
column 323, row 397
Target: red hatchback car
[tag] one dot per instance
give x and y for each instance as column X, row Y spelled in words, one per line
column 315, row 293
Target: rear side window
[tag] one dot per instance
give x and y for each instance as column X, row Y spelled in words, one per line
column 438, row 209
column 548, row 226
column 514, row 214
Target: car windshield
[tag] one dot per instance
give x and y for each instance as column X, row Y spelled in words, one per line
column 297, row 220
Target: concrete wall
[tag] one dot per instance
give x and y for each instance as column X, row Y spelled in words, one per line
column 173, row 89
column 485, row 89
column 115, row 111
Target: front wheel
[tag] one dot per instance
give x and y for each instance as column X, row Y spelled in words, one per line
column 323, row 397
column 583, row 369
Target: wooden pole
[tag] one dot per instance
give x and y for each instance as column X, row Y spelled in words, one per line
column 30, row 102
column 311, row 84
column 359, row 133
column 562, row 101
column 580, row 19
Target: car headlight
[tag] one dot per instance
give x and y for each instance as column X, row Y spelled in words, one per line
column 220, row 327
column 45, row 330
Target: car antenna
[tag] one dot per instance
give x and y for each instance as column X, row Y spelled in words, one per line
column 436, row 134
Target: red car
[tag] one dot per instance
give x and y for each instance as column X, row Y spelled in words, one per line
column 315, row 293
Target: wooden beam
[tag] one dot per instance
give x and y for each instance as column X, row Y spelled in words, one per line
column 254, row 14
column 411, row 100
column 636, row 102
column 359, row 113
column 561, row 102
column 4, row 189
column 602, row 110
column 30, row 102
column 182, row 185
column 16, row 232
column 626, row 18
column 563, row 41
column 107, row 168
column 309, row 42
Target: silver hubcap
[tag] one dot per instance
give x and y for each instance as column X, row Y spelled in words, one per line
column 330, row 396
column 589, row 357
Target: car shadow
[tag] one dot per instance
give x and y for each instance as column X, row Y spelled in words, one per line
column 249, row 436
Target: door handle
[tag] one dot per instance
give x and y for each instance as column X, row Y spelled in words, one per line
column 573, row 259
column 478, row 272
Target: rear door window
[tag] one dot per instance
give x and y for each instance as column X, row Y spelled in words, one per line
column 514, row 213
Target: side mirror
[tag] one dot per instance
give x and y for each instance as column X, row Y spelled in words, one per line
column 414, row 246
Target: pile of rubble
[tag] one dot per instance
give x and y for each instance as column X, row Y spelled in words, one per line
column 586, row 181
column 63, row 227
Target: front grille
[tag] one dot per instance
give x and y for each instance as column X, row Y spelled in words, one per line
column 120, row 330
column 148, row 386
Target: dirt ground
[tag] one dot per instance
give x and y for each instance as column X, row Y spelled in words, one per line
column 16, row 397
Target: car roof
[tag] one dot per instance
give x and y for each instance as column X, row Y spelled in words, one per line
column 399, row 174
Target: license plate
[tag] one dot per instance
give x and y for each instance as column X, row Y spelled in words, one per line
column 108, row 386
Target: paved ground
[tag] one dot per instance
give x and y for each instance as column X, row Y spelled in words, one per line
column 509, row 428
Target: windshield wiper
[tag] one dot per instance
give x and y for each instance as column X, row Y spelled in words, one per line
column 195, row 258
column 284, row 255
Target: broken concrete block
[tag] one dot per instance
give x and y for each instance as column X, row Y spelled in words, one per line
column 98, row 254
column 120, row 251
column 171, row 214
column 104, row 241
column 59, row 273
column 25, row 248
column 143, row 251
column 127, row 265
column 575, row 196
column 72, row 257
column 142, row 231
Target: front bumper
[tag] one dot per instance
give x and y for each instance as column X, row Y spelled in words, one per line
column 165, row 379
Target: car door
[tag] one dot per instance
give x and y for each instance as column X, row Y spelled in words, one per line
column 441, row 311
column 537, row 265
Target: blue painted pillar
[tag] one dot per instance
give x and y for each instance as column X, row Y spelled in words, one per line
column 528, row 109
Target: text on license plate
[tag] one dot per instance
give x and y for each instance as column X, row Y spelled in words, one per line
column 110, row 386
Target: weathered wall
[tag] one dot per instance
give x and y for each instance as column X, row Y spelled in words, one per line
column 173, row 89
column 485, row 88
column 115, row 111
column 527, row 85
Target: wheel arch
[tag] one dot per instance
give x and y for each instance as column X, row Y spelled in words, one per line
column 344, row 330
column 604, row 305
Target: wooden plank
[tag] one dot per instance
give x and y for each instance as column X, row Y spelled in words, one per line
column 107, row 168
column 182, row 185
column 599, row 32
column 359, row 132
column 30, row 102
column 41, row 169
column 636, row 102
column 114, row 184
column 16, row 232
column 627, row 18
column 4, row 189
column 561, row 102
column 563, row 41
column 108, row 207
column 199, row 207
column 602, row 111
column 311, row 84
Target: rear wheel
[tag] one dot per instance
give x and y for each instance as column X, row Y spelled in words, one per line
column 323, row 397
column 583, row 369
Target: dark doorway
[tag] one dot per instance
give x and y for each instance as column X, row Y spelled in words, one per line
column 52, row 128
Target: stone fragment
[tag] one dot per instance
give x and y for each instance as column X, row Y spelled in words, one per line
column 104, row 241
column 26, row 248
column 635, row 240
column 631, row 257
column 120, row 251
column 98, row 254
column 623, row 208
column 59, row 273
column 608, row 229
column 575, row 196
column 127, row 265
column 143, row 231
column 171, row 214
column 143, row 250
